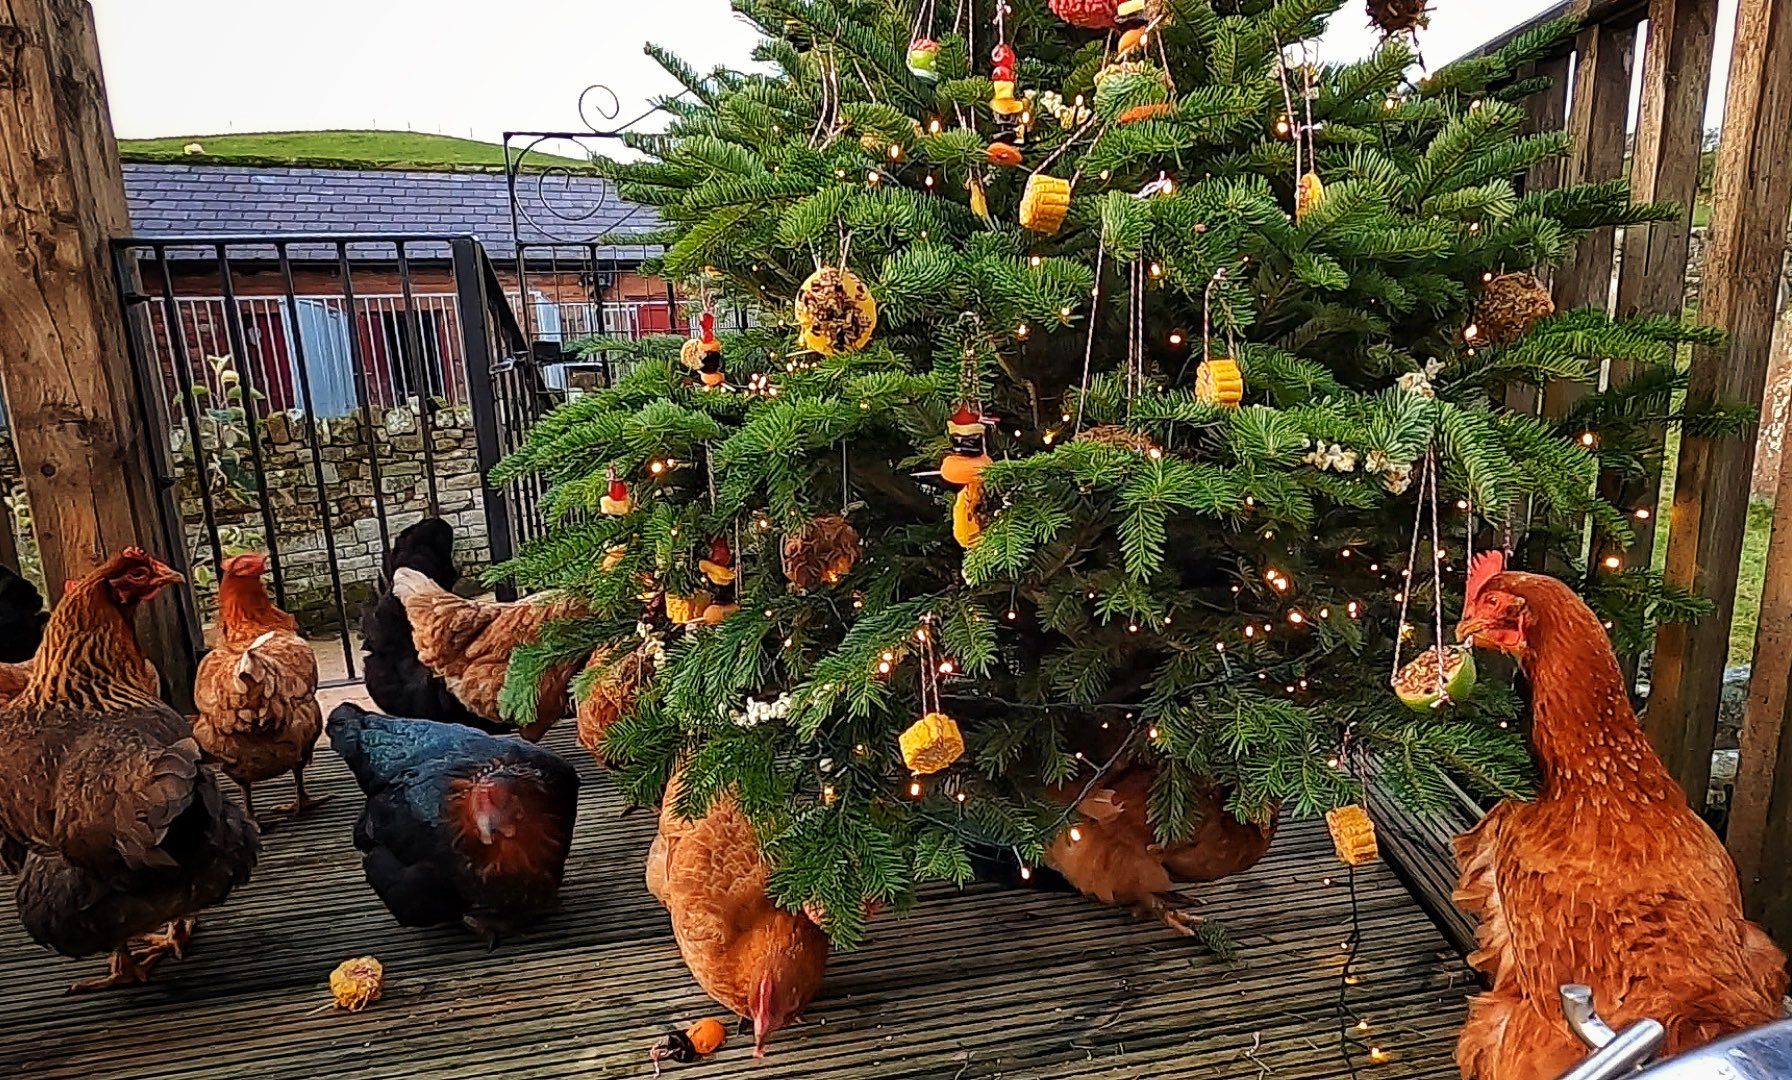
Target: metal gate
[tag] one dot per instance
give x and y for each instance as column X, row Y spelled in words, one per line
column 310, row 396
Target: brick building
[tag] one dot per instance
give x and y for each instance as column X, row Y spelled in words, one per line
column 560, row 292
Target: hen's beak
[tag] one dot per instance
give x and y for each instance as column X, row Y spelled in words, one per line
column 168, row 576
column 1469, row 627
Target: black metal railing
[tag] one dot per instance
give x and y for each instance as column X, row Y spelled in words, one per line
column 310, row 396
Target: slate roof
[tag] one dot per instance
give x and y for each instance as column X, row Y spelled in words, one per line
column 211, row 200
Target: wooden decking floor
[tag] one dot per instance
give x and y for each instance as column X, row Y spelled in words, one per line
column 981, row 983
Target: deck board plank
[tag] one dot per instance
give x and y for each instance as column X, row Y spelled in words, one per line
column 986, row 982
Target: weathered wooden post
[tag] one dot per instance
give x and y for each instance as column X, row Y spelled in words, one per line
column 1669, row 139
column 80, row 426
column 1752, row 196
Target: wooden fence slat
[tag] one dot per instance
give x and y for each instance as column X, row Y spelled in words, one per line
column 1596, row 122
column 1670, row 132
column 1751, row 200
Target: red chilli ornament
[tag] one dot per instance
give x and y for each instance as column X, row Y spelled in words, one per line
column 1088, row 14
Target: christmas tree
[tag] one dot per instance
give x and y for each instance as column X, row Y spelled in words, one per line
column 1127, row 381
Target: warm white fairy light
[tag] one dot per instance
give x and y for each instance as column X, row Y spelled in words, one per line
column 914, row 789
column 1035, row 261
column 1613, row 562
column 1176, row 338
column 1021, row 330
column 1296, row 618
column 1026, row 872
column 1642, row 513
column 1075, row 834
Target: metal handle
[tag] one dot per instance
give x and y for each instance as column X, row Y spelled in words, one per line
column 1629, row 1051
column 1615, row 1054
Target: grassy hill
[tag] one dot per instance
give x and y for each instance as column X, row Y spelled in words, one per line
column 345, row 149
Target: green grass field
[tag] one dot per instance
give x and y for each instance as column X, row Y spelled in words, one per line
column 346, row 149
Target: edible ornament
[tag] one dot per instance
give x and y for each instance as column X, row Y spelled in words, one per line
column 1436, row 677
column 357, row 983
column 709, row 367
column 1087, row 14
column 1308, row 194
column 690, row 354
column 822, row 552
column 924, row 58
column 1218, row 381
column 699, row 1040
column 616, row 502
column 1509, row 305
column 719, row 569
column 967, row 515
column 686, row 609
column 1002, row 101
column 1003, row 153
column 1399, row 16
column 835, row 311
column 969, row 439
column 1353, row 835
column 931, row 743
column 1044, row 203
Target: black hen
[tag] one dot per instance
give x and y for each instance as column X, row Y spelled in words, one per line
column 22, row 617
column 396, row 680
column 459, row 825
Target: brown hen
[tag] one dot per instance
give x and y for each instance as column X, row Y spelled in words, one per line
column 257, row 691
column 751, row 955
column 1608, row 878
column 1114, row 855
column 468, row 644
column 106, row 814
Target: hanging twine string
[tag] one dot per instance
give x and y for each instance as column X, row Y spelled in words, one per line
column 1089, row 341
column 923, row 24
column 1428, row 503
column 1412, row 556
column 1288, row 104
column 930, row 676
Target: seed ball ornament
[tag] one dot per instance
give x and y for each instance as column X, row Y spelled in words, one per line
column 1509, row 305
column 968, row 433
column 1044, row 203
column 835, row 311
column 1219, row 381
column 821, row 553
column 1353, row 835
column 357, row 983
column 1399, row 16
column 924, row 58
column 1436, row 677
column 1086, row 14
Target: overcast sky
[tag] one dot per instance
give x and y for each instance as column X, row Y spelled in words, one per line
column 480, row 67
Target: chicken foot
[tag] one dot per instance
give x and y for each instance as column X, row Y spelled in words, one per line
column 123, row 968
column 292, row 810
column 150, row 949
column 1182, row 921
